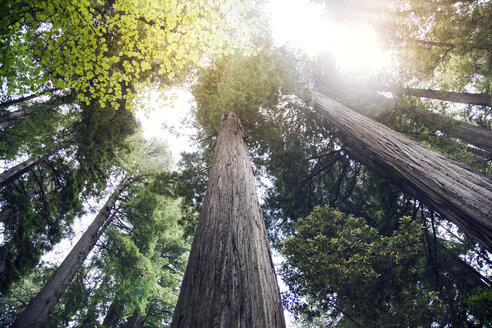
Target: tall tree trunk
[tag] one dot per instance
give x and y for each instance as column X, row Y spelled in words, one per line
column 465, row 98
column 15, row 172
column 113, row 315
column 45, row 301
column 453, row 189
column 473, row 134
column 230, row 280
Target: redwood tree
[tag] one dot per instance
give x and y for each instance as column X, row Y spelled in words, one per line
column 230, row 279
column 451, row 188
column 43, row 304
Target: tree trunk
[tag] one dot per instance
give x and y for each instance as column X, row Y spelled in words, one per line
column 113, row 315
column 15, row 172
column 453, row 189
column 473, row 134
column 11, row 118
column 465, row 98
column 230, row 280
column 45, row 301
column 135, row 321
column 26, row 98
column 450, row 45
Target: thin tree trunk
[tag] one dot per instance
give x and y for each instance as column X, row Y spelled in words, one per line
column 113, row 315
column 450, row 45
column 451, row 188
column 230, row 279
column 15, row 172
column 10, row 118
column 26, row 98
column 135, row 321
column 472, row 134
column 465, row 98
column 45, row 301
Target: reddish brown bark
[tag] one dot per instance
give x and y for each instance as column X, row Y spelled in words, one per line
column 43, row 304
column 230, row 280
column 453, row 189
column 460, row 97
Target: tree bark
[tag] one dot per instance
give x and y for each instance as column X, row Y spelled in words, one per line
column 230, row 279
column 26, row 98
column 450, row 45
column 473, row 134
column 45, row 301
column 451, row 188
column 15, row 172
column 135, row 321
column 465, row 98
column 113, row 315
column 10, row 118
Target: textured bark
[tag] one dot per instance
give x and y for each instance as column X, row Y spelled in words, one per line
column 465, row 98
column 451, row 188
column 473, row 134
column 230, row 280
column 45, row 301
column 15, row 172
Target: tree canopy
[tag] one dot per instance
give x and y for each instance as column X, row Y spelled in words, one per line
column 360, row 247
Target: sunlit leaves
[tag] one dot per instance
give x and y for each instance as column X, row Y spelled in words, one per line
column 98, row 49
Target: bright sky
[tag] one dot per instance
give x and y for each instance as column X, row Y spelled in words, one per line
column 299, row 23
column 302, row 23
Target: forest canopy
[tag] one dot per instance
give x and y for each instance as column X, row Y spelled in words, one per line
column 370, row 183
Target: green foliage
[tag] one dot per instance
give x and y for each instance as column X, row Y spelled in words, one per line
column 17, row 298
column 251, row 86
column 355, row 275
column 101, row 48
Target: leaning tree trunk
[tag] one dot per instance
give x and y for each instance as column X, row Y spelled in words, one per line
column 11, row 118
column 472, row 134
column 45, row 301
column 465, row 98
column 467, row 46
column 113, row 315
column 230, row 280
column 453, row 189
column 17, row 171
column 26, row 98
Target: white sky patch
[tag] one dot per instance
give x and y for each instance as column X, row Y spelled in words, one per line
column 162, row 114
column 301, row 23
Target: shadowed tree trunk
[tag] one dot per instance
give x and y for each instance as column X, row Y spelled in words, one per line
column 473, row 134
column 113, row 315
column 230, row 280
column 451, row 188
column 483, row 46
column 10, row 118
column 465, row 98
column 26, row 98
column 15, row 172
column 45, row 301
column 135, row 321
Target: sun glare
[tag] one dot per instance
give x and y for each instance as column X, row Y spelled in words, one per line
column 302, row 24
